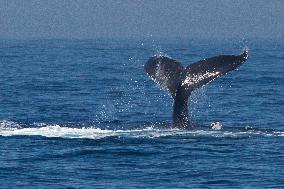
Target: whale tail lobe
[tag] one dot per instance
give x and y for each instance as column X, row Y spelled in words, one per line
column 180, row 81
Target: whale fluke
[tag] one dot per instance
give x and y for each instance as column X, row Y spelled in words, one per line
column 180, row 82
column 164, row 71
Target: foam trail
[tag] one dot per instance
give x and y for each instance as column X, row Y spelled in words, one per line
column 13, row 129
column 58, row 131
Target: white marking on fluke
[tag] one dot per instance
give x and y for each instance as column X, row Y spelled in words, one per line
column 193, row 79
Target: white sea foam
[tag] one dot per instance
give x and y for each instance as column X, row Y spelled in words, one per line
column 13, row 129
column 216, row 125
column 4, row 124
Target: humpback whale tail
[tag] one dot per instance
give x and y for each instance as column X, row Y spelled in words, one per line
column 180, row 81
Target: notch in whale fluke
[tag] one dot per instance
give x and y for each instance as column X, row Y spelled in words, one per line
column 180, row 81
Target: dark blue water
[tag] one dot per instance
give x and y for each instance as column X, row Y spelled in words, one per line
column 83, row 114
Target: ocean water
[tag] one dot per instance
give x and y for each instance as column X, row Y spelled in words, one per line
column 83, row 114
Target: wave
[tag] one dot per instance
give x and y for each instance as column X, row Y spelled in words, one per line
column 8, row 128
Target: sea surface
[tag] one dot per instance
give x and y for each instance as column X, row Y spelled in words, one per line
column 83, row 114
